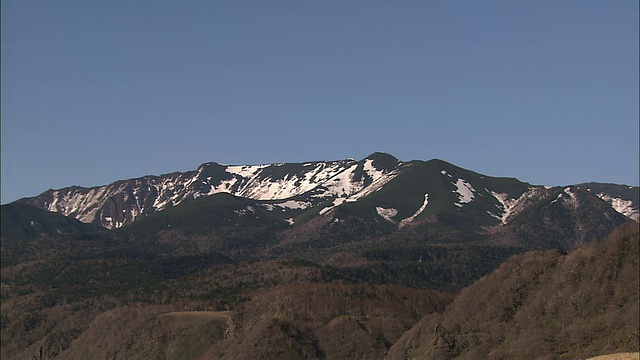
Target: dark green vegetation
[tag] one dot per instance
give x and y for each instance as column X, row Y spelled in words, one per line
column 217, row 211
column 227, row 277
column 21, row 221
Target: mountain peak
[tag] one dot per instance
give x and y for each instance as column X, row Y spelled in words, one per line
column 382, row 160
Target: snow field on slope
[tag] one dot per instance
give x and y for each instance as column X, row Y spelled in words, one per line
column 343, row 185
column 465, row 191
column 624, row 207
column 269, row 189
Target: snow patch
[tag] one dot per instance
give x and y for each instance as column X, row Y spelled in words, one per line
column 573, row 200
column 268, row 207
column 371, row 170
column 294, row 204
column 465, row 191
column 246, row 171
column 387, row 214
column 624, row 207
column 290, row 221
column 111, row 223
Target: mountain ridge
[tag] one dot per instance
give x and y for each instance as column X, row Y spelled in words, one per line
column 106, row 204
column 329, row 184
column 324, row 185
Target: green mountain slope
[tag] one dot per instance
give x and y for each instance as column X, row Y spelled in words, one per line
column 21, row 221
column 439, row 185
column 220, row 210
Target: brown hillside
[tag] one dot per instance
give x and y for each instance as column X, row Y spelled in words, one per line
column 294, row 321
column 333, row 321
column 542, row 304
column 268, row 310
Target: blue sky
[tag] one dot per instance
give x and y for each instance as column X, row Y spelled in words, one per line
column 96, row 91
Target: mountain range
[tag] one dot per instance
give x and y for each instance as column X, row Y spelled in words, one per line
column 293, row 260
column 383, row 187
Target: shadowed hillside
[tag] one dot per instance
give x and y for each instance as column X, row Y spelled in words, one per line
column 542, row 304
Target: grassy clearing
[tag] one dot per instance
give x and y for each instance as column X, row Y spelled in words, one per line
column 619, row 356
column 196, row 315
column 193, row 332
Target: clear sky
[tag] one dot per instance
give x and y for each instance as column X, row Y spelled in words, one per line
column 96, row 91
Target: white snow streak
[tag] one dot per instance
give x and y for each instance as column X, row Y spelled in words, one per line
column 420, row 210
column 512, row 207
column 508, row 206
column 336, row 202
column 559, row 197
